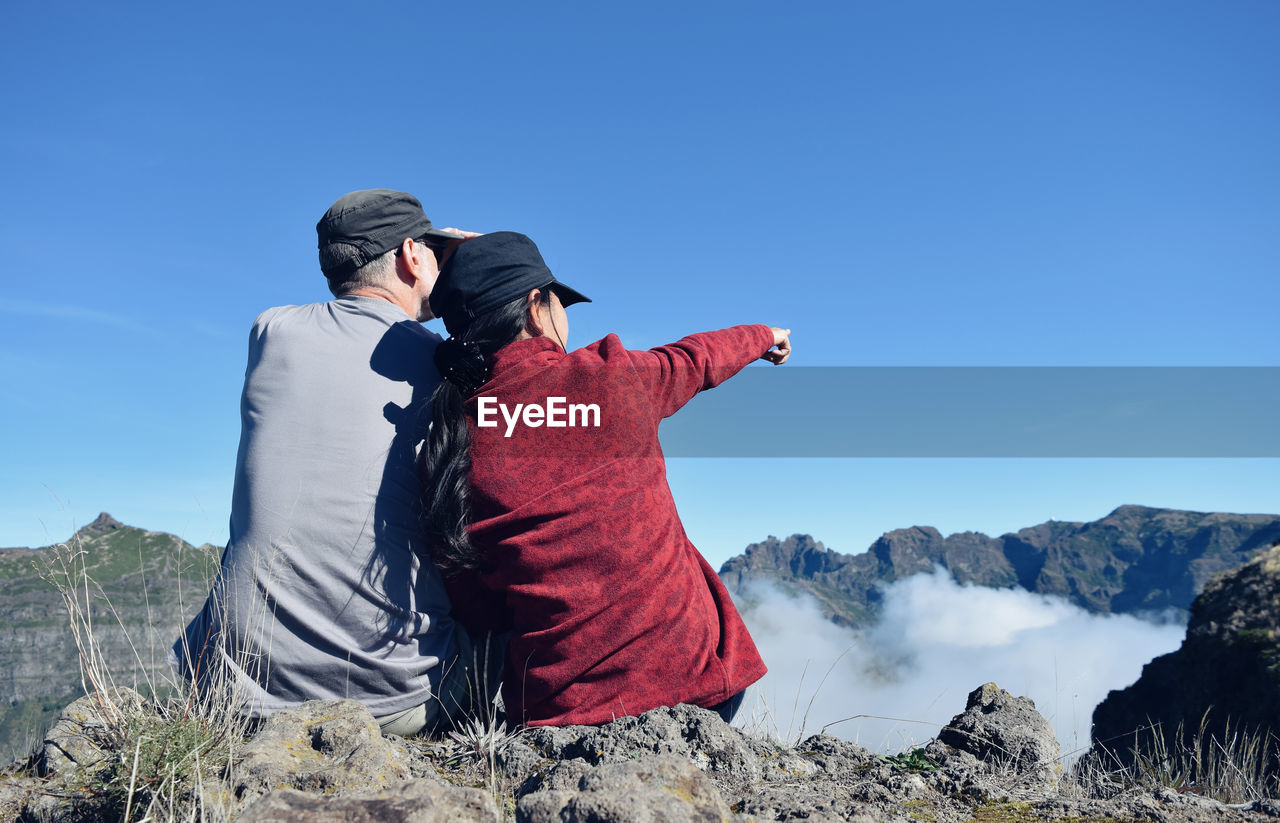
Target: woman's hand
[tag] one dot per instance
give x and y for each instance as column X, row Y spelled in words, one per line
column 465, row 235
column 781, row 350
column 450, row 246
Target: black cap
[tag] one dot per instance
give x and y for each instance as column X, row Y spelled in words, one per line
column 366, row 224
column 487, row 271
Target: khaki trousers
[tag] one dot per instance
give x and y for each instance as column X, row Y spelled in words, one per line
column 468, row 687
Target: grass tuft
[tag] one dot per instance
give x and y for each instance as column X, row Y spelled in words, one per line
column 163, row 743
column 1238, row 765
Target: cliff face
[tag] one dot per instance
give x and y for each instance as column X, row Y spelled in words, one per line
column 1228, row 665
column 148, row 585
column 1133, row 560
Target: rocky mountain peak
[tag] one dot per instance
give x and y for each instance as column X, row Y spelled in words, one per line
column 105, row 523
column 1131, row 510
column 903, row 552
column 799, row 553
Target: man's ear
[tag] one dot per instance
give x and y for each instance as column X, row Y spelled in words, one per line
column 535, row 322
column 411, row 261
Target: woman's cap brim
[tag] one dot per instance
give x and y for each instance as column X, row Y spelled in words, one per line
column 568, row 295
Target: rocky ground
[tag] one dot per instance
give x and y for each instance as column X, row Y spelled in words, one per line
column 997, row 761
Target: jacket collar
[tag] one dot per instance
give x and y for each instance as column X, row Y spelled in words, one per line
column 519, row 354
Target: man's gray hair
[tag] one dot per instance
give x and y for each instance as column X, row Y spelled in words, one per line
column 378, row 272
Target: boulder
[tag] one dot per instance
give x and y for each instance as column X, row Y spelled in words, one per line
column 13, row 796
column 822, row 779
column 517, row 760
column 696, row 734
column 824, row 776
column 82, row 730
column 659, row 789
column 815, row 803
column 327, row 746
column 562, row 776
column 999, row 729
column 414, row 801
column 838, row 758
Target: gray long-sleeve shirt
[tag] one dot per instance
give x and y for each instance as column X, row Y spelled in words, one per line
column 321, row 591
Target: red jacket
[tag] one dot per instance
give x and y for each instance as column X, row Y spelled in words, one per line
column 612, row 610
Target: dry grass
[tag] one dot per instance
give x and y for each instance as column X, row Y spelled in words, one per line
column 1237, row 766
column 163, row 750
column 160, row 752
column 762, row 719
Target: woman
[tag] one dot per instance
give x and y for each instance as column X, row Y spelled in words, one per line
column 548, row 505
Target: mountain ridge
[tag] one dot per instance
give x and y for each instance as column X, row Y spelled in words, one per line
column 1166, row 555
column 1136, row 559
column 149, row 584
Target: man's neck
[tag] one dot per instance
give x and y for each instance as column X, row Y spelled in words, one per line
column 383, row 294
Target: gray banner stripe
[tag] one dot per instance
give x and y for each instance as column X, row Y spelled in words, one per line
column 983, row 412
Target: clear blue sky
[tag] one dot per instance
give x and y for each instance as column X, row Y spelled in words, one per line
column 923, row 183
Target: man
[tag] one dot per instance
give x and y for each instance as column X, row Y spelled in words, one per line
column 325, row 589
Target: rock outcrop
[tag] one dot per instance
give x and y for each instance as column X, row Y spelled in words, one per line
column 325, row 761
column 1226, row 672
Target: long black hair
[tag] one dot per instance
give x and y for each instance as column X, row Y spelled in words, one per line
column 446, row 460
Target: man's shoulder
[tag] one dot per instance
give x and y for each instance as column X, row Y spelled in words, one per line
column 283, row 314
column 341, row 314
column 267, row 315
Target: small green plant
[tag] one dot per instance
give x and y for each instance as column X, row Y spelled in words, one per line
column 470, row 754
column 158, row 761
column 481, row 740
column 913, row 760
column 481, row 736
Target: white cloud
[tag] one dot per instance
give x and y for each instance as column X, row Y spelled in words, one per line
column 936, row 642
column 73, row 314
